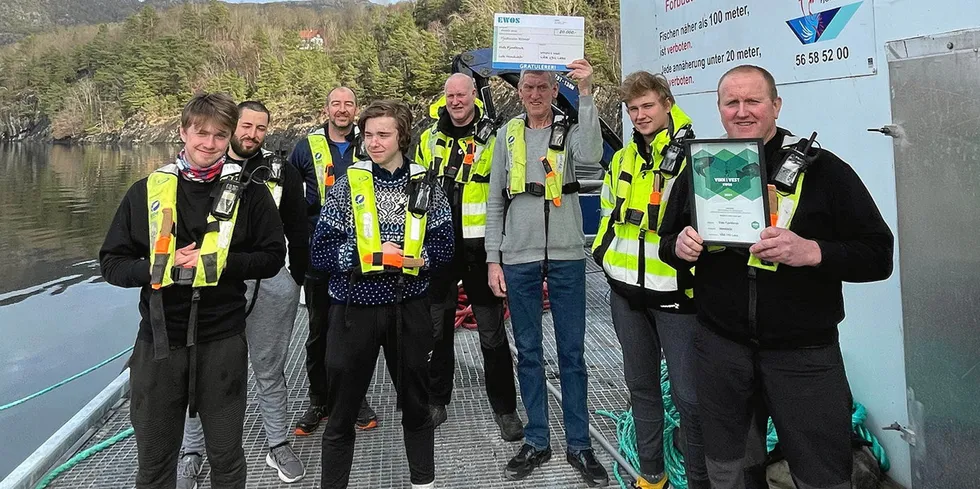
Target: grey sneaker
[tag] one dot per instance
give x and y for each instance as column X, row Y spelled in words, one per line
column 284, row 459
column 188, row 470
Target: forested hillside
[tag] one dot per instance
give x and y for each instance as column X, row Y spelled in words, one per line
column 116, row 82
column 22, row 17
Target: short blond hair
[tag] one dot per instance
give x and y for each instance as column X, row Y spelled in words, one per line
column 638, row 83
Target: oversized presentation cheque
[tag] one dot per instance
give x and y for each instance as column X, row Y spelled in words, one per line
column 537, row 42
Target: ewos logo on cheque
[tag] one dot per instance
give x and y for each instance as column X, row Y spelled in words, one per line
column 821, row 26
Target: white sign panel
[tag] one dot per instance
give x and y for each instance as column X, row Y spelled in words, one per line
column 796, row 40
column 537, row 42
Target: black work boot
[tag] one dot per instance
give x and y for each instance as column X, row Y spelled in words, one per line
column 511, row 426
column 308, row 423
column 439, row 415
column 526, row 460
column 586, row 464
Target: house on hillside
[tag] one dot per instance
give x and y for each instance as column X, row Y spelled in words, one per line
column 310, row 39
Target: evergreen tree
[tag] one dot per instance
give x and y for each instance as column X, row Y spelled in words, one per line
column 90, row 79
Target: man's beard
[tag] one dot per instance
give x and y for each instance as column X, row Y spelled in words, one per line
column 350, row 122
column 236, row 146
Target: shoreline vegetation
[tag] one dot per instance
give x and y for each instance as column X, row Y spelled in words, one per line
column 125, row 82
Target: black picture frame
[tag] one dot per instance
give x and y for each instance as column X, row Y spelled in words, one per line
column 690, row 146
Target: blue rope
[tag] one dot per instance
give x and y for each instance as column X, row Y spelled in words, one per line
column 63, row 382
column 674, row 460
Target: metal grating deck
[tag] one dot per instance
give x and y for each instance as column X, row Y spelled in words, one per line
column 469, row 451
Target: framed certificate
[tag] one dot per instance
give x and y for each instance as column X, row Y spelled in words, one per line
column 730, row 205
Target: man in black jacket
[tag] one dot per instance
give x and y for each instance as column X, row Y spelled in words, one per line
column 768, row 342
column 272, row 305
column 189, row 244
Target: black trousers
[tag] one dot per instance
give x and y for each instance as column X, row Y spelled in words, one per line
column 159, row 405
column 317, row 300
column 355, row 335
column 804, row 390
column 498, row 365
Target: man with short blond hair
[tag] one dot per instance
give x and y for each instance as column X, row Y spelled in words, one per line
column 652, row 305
column 190, row 253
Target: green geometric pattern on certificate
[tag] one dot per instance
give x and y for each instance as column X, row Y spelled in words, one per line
column 726, row 174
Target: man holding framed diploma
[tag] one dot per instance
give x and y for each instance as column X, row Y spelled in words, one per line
column 768, row 287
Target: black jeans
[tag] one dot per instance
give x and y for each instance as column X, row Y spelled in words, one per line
column 498, row 364
column 643, row 334
column 805, row 391
column 159, row 405
column 317, row 305
column 355, row 334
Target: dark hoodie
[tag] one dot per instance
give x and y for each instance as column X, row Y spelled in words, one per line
column 292, row 212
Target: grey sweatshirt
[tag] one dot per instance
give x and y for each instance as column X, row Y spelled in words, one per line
column 524, row 239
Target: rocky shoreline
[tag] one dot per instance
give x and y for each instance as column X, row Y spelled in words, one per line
column 31, row 125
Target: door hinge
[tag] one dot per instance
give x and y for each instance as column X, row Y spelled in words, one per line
column 907, row 434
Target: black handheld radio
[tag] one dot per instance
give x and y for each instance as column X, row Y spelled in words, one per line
column 559, row 129
column 673, row 153
column 229, row 191
column 795, row 162
column 420, row 193
column 483, row 130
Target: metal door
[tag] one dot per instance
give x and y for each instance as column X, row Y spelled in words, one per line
column 935, row 92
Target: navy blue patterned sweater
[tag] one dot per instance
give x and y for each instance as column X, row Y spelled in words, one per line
column 334, row 247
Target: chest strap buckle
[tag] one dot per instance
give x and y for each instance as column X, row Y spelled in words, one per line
column 634, row 216
column 182, row 275
column 535, row 189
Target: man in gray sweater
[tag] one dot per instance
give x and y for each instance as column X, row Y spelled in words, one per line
column 534, row 233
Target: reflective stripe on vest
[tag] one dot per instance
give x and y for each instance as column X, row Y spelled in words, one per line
column 621, row 260
column 629, row 191
column 322, row 164
column 436, row 149
column 518, row 162
column 367, row 227
column 161, row 194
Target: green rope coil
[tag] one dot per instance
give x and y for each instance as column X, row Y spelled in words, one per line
column 674, row 459
column 63, row 382
column 626, row 435
column 84, row 454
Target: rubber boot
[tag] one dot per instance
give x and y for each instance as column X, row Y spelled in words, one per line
column 644, row 482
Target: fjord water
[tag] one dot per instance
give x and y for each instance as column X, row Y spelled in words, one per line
column 57, row 316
